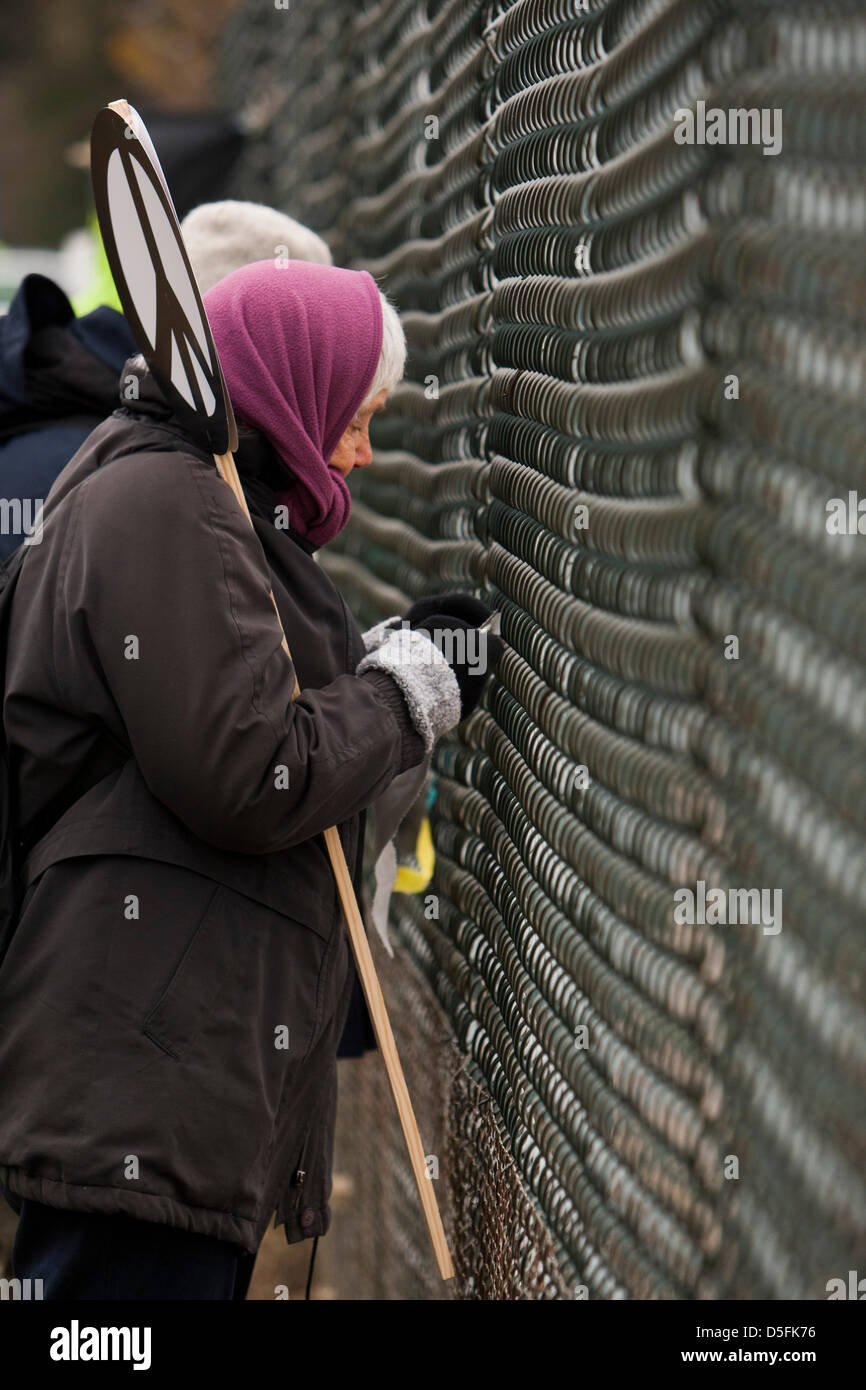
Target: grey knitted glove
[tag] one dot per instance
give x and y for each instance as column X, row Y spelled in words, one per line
column 428, row 683
column 375, row 635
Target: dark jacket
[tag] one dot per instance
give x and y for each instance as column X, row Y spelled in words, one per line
column 172, row 999
column 58, row 381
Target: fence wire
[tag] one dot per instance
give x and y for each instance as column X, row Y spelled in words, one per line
column 635, row 389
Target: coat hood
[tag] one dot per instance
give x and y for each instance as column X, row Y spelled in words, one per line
column 53, row 364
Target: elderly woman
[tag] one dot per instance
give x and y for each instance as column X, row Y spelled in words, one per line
column 173, row 996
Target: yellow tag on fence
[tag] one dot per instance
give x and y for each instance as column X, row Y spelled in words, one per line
column 413, row 880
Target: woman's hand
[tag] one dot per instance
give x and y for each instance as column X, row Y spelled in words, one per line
column 454, row 605
column 472, row 654
column 376, row 635
column 439, row 658
column 450, row 618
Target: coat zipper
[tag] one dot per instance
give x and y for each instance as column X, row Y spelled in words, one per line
column 300, row 1172
column 299, row 1183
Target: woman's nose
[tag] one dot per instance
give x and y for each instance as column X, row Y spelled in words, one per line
column 363, row 453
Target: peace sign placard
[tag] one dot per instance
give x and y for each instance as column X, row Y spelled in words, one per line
column 154, row 278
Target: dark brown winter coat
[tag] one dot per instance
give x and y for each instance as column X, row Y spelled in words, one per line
column 172, row 1000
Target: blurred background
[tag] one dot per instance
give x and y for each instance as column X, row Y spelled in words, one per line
column 635, row 388
column 59, row 64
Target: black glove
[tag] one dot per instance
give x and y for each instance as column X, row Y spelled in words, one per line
column 456, row 605
column 472, row 655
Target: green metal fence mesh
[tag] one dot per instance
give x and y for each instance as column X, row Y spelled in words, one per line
column 636, row 382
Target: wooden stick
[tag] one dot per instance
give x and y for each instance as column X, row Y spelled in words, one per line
column 369, row 979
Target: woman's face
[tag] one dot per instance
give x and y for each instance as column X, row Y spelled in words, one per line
column 354, row 450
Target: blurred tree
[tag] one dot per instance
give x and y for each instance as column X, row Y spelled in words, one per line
column 167, row 49
column 59, row 64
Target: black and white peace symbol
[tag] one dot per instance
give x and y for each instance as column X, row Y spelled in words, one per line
column 154, row 279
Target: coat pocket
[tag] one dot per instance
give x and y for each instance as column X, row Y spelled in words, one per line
column 187, row 999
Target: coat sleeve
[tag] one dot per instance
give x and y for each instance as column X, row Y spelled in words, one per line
column 165, row 584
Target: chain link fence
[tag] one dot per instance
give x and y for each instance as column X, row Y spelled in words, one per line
column 626, row 240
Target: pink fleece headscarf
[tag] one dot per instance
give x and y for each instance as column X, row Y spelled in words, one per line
column 299, row 346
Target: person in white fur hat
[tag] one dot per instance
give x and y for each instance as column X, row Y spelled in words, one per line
column 221, row 237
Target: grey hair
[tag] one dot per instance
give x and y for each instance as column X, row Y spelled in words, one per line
column 392, row 358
